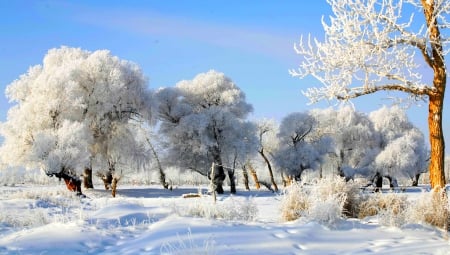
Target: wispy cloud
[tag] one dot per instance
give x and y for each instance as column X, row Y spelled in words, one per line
column 249, row 39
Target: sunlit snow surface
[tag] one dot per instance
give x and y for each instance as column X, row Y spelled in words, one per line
column 143, row 220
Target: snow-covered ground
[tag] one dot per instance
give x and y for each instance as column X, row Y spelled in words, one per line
column 149, row 220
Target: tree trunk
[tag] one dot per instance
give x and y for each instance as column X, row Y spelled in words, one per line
column 114, row 186
column 217, row 176
column 254, row 176
column 107, row 180
column 73, row 183
column 377, row 182
column 162, row 175
column 269, row 166
column 437, row 174
column 436, row 98
column 245, row 174
column 415, row 181
column 87, row 178
column 232, row 181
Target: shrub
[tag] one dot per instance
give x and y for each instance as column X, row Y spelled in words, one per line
column 390, row 208
column 325, row 201
column 328, row 200
column 431, row 208
column 294, row 203
column 394, row 203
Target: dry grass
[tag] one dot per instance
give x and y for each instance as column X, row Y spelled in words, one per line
column 325, row 200
column 328, row 200
column 391, row 202
column 294, row 203
column 431, row 208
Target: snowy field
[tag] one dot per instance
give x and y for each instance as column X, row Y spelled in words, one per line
column 48, row 219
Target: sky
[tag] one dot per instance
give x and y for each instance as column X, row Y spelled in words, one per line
column 249, row 41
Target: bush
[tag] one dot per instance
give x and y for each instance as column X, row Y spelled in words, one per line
column 389, row 207
column 330, row 199
column 326, row 200
column 295, row 202
column 431, row 208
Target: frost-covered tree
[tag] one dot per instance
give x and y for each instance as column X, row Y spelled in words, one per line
column 391, row 123
column 404, row 156
column 354, row 142
column 380, row 45
column 62, row 151
column 398, row 135
column 297, row 151
column 202, row 120
column 95, row 89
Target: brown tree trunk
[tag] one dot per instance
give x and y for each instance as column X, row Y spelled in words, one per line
column 114, row 186
column 87, row 178
column 73, row 183
column 437, row 175
column 254, row 176
column 436, row 97
column 269, row 166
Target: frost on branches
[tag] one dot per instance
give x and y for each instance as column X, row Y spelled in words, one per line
column 383, row 45
column 72, row 109
column 204, row 122
column 403, row 151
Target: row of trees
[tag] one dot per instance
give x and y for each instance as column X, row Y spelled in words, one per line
column 85, row 111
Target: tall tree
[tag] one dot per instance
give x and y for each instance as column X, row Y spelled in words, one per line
column 202, row 120
column 95, row 89
column 370, row 46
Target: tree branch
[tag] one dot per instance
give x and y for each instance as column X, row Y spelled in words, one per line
column 390, row 87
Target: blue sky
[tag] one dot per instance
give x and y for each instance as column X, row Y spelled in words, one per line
column 250, row 41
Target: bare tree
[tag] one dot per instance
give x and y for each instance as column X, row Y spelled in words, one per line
column 370, row 46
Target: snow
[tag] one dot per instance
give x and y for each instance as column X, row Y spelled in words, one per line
column 149, row 220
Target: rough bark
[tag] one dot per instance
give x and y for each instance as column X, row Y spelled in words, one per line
column 436, row 98
column 87, row 178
